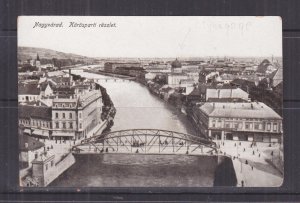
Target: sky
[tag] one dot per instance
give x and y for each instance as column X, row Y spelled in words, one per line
column 172, row 36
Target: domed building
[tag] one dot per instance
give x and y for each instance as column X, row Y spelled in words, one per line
column 176, row 66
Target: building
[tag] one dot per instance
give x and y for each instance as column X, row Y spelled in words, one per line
column 111, row 66
column 28, row 147
column 77, row 116
column 206, row 76
column 176, row 66
column 174, row 79
column 253, row 121
column 36, row 120
column 28, row 93
column 230, row 94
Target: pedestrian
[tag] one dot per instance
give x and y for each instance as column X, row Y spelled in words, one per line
column 259, row 155
column 253, row 152
column 246, row 162
column 235, row 144
column 242, row 183
column 252, row 168
column 244, row 149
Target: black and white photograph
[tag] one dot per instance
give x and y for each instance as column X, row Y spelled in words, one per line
column 140, row 101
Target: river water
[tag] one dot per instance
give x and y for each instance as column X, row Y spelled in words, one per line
column 138, row 108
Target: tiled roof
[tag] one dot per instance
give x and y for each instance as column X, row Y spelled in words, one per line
column 30, row 89
column 239, row 110
column 32, row 144
column 40, row 112
column 226, row 93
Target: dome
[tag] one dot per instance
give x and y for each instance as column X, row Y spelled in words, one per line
column 176, row 64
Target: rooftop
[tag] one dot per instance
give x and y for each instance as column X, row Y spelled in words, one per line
column 32, row 144
column 42, row 112
column 28, row 89
column 239, row 110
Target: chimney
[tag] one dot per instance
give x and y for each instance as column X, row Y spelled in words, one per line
column 70, row 76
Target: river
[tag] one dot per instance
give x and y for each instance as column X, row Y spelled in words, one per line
column 138, row 108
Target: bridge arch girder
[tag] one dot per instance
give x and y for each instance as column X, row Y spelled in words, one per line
column 146, row 141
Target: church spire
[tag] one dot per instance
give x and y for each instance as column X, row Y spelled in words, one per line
column 37, row 57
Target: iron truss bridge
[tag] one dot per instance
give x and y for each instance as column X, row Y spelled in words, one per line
column 145, row 141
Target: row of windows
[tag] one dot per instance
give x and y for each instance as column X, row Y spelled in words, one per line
column 64, row 105
column 248, row 126
column 64, row 125
column 64, row 115
column 36, row 123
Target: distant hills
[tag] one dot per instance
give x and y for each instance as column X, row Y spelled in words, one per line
column 25, row 53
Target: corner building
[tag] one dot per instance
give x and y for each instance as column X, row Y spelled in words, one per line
column 253, row 121
column 77, row 116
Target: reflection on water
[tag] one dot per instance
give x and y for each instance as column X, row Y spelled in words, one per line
column 132, row 170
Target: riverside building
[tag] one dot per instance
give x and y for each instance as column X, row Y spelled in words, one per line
column 253, row 121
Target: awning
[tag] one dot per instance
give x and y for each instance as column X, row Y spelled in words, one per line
column 63, row 134
column 27, row 131
column 43, row 133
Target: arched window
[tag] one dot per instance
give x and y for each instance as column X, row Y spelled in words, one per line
column 70, row 115
column 64, row 116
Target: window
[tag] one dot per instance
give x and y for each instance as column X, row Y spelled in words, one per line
column 275, row 126
column 247, row 126
column 71, row 125
column 64, row 115
column 64, row 125
column 52, row 163
column 79, row 115
column 214, row 124
column 70, row 115
column 57, row 125
column 80, row 125
column 236, row 125
column 227, row 125
column 268, row 126
column 46, row 167
column 256, row 126
column 56, row 115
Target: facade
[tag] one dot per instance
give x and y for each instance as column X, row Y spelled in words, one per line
column 175, row 78
column 59, row 111
column 74, row 118
column 36, row 120
column 253, row 121
column 28, row 93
